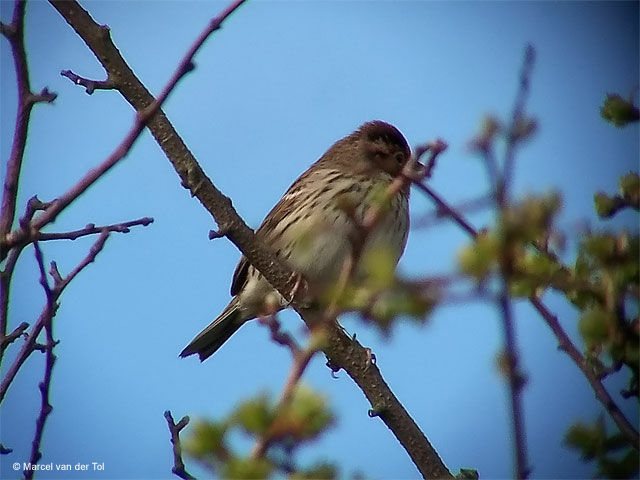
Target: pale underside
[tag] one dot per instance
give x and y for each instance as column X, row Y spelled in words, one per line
column 316, row 241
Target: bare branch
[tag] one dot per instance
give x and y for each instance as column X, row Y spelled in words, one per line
column 48, row 313
column 13, row 336
column 566, row 345
column 91, row 229
column 515, row 379
column 5, row 283
column 89, row 85
column 342, row 351
column 93, row 252
column 564, row 342
column 175, row 428
column 43, row 274
column 144, row 115
column 45, row 406
column 466, row 206
column 278, row 336
column 45, row 96
column 517, row 119
column 444, row 207
column 434, row 148
column 300, row 364
column 514, row 375
column 26, row 100
column 34, row 204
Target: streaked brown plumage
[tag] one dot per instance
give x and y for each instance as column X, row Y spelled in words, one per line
column 310, row 229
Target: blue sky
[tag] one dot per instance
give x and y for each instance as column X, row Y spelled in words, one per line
column 271, row 92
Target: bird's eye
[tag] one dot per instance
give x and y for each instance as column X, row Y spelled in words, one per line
column 399, row 158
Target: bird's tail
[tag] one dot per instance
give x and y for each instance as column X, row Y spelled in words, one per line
column 219, row 331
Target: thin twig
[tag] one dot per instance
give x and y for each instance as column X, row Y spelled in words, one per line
column 45, row 406
column 47, row 313
column 514, row 378
column 43, row 274
column 143, row 116
column 13, row 336
column 14, row 32
column 175, row 428
column 517, row 118
column 564, row 342
column 566, row 345
column 89, row 84
column 300, row 364
column 466, row 206
column 278, row 336
column 444, row 207
column 91, row 229
column 502, row 184
column 93, row 252
column 5, row 284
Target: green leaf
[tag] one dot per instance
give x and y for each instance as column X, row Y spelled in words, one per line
column 588, row 440
column 615, row 457
column 530, row 219
column 306, row 416
column 602, row 247
column 379, row 264
column 594, row 325
column 626, row 467
column 489, row 128
column 206, row 439
column 320, row 471
column 247, row 468
column 630, row 189
column 468, row 474
column 479, row 258
column 310, row 410
column 605, row 205
column 618, row 111
column 403, row 299
column 255, row 416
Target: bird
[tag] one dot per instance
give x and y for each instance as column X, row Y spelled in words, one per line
column 311, row 230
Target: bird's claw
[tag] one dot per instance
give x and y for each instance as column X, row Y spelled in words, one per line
column 300, row 281
column 371, row 359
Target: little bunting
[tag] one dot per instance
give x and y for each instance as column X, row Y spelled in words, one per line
column 311, row 230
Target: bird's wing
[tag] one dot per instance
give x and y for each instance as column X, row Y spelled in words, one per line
column 239, row 276
column 273, row 222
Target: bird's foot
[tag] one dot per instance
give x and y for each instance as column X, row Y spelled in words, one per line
column 300, row 285
column 371, row 358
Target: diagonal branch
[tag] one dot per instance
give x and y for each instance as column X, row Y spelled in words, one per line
column 48, row 312
column 301, row 360
column 566, row 345
column 342, row 351
column 564, row 341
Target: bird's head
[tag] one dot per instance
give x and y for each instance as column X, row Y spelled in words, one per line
column 375, row 146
